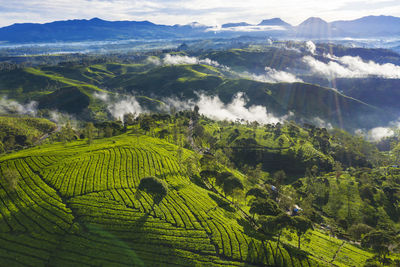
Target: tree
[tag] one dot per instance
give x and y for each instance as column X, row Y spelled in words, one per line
column 279, row 177
column 155, row 187
column 231, row 184
column 146, row 123
column 108, row 131
column 129, row 118
column 301, row 225
column 338, row 170
column 89, row 128
column 221, row 177
column 257, row 192
column 379, row 241
column 275, row 224
column 262, row 206
column 357, row 231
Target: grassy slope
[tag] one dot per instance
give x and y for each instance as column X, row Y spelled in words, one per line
column 77, row 205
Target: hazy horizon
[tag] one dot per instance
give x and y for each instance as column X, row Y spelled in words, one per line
column 206, row 12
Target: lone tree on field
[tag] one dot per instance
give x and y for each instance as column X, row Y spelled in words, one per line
column 155, row 187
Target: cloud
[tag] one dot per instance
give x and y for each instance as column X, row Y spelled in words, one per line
column 351, row 67
column 273, row 76
column 118, row 105
column 378, row 133
column 13, row 107
column 311, row 47
column 180, row 60
column 212, row 107
column 128, row 104
column 317, row 121
column 63, row 118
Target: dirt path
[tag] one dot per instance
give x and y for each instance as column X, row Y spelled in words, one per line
column 337, row 252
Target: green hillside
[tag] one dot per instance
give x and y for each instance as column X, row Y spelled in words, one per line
column 18, row 132
column 78, row 204
column 71, row 88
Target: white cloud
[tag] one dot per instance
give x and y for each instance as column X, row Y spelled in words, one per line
column 180, row 60
column 351, row 67
column 128, row 104
column 214, row 108
column 13, row 107
column 311, row 47
column 379, row 133
column 273, row 76
column 317, row 121
column 118, row 105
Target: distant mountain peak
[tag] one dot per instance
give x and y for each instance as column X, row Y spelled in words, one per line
column 314, row 20
column 96, row 19
column 235, row 24
column 274, row 22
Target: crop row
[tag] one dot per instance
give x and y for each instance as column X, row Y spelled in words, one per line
column 32, row 206
column 139, row 229
column 114, row 168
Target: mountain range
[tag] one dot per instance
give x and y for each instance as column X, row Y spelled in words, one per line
column 97, row 29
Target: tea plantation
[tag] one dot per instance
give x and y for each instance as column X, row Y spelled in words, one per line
column 78, row 205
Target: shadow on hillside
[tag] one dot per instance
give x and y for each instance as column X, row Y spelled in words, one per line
column 221, row 202
column 139, row 223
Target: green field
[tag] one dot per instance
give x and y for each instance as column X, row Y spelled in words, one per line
column 77, row 204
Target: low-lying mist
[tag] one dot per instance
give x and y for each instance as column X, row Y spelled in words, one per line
column 209, row 106
column 350, row 67
column 236, row 110
column 8, row 106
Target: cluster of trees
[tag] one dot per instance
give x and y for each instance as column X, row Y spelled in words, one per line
column 19, row 132
column 274, row 213
column 211, row 173
column 90, row 131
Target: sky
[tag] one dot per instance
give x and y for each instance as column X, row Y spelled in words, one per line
column 209, row 12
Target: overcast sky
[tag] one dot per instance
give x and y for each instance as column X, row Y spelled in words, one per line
column 210, row 12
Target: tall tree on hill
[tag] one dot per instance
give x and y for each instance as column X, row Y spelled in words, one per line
column 231, row 184
column 275, row 224
column 89, row 128
column 301, row 225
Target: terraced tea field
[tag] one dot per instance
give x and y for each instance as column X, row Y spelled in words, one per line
column 77, row 205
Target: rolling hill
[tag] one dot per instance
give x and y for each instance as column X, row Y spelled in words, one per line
column 73, row 89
